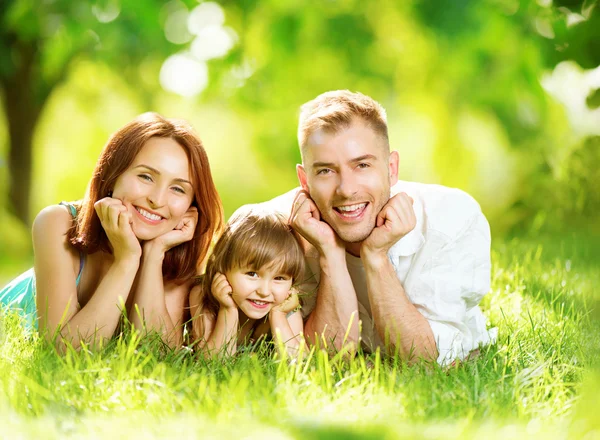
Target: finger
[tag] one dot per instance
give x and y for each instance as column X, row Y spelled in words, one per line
column 298, row 201
column 124, row 221
column 406, row 211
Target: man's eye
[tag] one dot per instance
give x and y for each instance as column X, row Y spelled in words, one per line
column 363, row 165
column 323, row 171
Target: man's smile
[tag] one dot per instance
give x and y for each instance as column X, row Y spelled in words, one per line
column 350, row 212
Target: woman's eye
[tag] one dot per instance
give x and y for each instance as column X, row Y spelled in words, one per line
column 179, row 189
column 145, row 177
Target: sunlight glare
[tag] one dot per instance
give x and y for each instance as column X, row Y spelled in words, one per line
column 213, row 42
column 175, row 27
column 184, row 75
column 205, row 15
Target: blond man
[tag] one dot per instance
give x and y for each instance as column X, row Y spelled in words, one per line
column 398, row 265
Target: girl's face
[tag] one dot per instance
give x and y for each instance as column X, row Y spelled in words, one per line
column 256, row 292
column 156, row 188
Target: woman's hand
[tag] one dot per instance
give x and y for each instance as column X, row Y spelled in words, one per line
column 184, row 231
column 222, row 291
column 116, row 222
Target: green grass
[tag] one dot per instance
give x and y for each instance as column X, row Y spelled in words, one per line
column 541, row 379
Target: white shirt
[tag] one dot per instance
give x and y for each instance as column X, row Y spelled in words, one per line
column 443, row 265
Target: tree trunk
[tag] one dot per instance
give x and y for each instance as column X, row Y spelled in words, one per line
column 22, row 108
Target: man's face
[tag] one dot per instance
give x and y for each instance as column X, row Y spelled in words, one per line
column 348, row 175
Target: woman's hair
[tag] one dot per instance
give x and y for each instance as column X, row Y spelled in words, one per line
column 180, row 263
column 253, row 239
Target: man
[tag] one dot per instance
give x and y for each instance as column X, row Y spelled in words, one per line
column 412, row 261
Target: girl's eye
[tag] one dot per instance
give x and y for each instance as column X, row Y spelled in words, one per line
column 252, row 274
column 282, row 278
column 179, row 189
column 147, row 177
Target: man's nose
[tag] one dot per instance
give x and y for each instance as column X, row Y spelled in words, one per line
column 346, row 184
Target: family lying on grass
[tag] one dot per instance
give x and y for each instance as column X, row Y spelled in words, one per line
column 354, row 257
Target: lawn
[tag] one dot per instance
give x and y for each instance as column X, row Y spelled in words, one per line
column 540, row 379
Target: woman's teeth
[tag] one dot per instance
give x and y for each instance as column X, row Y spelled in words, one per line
column 149, row 215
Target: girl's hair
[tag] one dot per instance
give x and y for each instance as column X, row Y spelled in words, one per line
column 182, row 262
column 253, row 239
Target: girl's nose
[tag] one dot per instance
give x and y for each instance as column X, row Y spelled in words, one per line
column 264, row 289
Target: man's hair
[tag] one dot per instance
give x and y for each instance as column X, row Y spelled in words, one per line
column 335, row 110
column 182, row 262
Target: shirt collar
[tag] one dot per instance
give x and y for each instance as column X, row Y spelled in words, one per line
column 414, row 240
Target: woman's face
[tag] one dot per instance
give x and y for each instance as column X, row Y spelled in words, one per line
column 156, row 188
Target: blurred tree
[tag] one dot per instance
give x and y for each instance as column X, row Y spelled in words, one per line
column 40, row 41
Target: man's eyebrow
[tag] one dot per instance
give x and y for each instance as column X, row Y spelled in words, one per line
column 364, row 157
column 323, row 164
column 155, row 171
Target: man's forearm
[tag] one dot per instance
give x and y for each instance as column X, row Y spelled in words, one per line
column 335, row 316
column 399, row 324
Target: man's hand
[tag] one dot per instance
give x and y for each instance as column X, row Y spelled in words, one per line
column 116, row 222
column 184, row 231
column 306, row 220
column 222, row 291
column 396, row 219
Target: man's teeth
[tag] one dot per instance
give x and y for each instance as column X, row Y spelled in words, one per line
column 149, row 215
column 350, row 208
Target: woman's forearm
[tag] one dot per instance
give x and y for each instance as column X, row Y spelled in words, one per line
column 99, row 318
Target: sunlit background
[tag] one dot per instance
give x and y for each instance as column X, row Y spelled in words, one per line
column 497, row 97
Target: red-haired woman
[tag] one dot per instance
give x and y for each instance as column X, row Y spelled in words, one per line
column 135, row 241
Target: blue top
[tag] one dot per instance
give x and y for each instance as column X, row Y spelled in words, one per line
column 19, row 294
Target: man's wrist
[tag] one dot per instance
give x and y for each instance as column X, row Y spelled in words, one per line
column 374, row 259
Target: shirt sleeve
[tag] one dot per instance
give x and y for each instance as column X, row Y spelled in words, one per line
column 452, row 276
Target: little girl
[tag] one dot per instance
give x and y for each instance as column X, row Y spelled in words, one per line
column 247, row 291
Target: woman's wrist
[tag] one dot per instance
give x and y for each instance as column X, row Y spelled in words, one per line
column 153, row 251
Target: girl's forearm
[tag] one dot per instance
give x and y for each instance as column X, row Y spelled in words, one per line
column 283, row 335
column 223, row 339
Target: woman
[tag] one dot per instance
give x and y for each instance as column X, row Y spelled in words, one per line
column 135, row 241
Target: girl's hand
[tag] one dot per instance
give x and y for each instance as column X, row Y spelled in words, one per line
column 183, row 232
column 291, row 303
column 116, row 222
column 222, row 291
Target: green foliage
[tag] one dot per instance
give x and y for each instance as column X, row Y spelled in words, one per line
column 539, row 379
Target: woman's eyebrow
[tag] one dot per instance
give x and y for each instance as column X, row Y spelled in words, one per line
column 155, row 171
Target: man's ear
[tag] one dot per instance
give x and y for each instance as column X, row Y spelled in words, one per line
column 301, row 173
column 393, row 167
